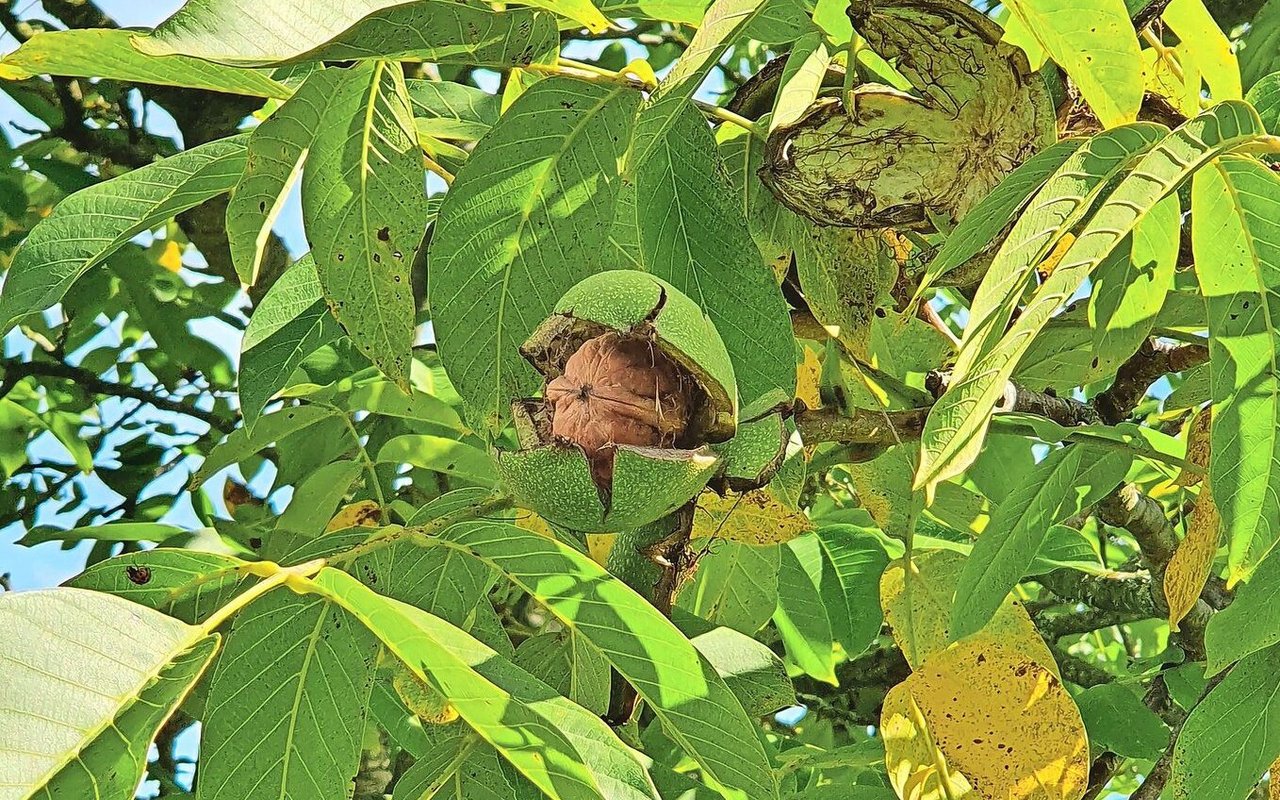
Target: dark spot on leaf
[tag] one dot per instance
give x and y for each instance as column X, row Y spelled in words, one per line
column 138, row 575
column 881, row 313
column 1094, row 362
column 377, row 259
column 384, row 234
column 262, row 207
column 342, row 257
column 255, row 542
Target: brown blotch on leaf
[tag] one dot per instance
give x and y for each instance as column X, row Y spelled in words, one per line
column 138, row 575
column 618, row 390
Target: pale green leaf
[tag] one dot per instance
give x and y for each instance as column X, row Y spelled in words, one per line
column 461, row 767
column 1232, row 735
column 695, row 706
column 1236, row 239
column 1265, row 97
column 1067, row 481
column 93, row 223
column 448, row 110
column 565, row 750
column 110, row 54
column 240, row 443
column 693, row 235
column 441, row 454
column 364, row 206
column 736, row 585
column 1204, row 48
column 290, row 323
column 316, row 499
column 725, row 22
column 1260, row 45
column 581, row 11
column 1129, row 287
column 800, row 617
column 958, row 423
column 983, row 224
column 802, row 78
column 1094, row 41
column 753, row 672
column 88, row 680
column 287, row 702
column 526, row 219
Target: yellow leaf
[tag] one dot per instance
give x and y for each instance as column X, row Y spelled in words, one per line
column 533, row 523
column 171, row 256
column 9, row 72
column 916, row 768
column 808, row 378
column 1192, row 562
column 1273, row 785
column 754, row 517
column 1004, row 722
column 1197, row 447
column 364, row 513
column 599, row 546
column 883, row 485
column 918, row 610
column 639, row 68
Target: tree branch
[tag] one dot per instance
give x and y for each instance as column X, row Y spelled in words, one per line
column 89, row 381
column 1154, row 360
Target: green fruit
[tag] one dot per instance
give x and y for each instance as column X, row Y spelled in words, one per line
column 896, row 159
column 597, row 453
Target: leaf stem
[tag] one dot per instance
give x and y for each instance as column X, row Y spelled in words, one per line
column 724, row 114
column 279, row 576
column 435, row 167
column 369, row 466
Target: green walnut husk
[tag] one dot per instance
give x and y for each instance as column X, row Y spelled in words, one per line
column 555, row 475
column 897, row 159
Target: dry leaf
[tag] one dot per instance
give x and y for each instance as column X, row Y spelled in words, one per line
column 1005, row 722
column 364, row 513
column 754, row 517
column 920, row 626
column 1046, row 267
column 1197, row 447
column 1192, row 563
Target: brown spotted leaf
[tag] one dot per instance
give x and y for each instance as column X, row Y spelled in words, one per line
column 755, row 517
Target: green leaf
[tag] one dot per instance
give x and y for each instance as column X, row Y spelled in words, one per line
column 1251, row 623
column 753, row 672
column 736, row 585
column 1265, row 97
column 461, row 767
column 437, row 580
column 566, row 662
column 93, row 223
column 106, row 532
column 696, row 709
column 983, row 224
column 1235, row 207
column 958, row 422
column 277, row 148
column 448, row 110
column 316, row 499
column 694, row 236
column 1067, row 481
column 1232, row 735
column 727, row 21
column 364, row 206
column 290, row 323
column 852, row 562
column 287, row 702
column 1260, row 45
column 247, row 33
column 110, row 54
column 88, row 680
column 582, row 11
column 1094, row 41
column 565, row 750
column 525, row 220
column 1118, row 720
column 441, row 454
column 185, row 584
column 801, row 618
column 240, row 443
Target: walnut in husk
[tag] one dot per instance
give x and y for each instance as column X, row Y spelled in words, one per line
column 638, row 383
column 895, row 158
